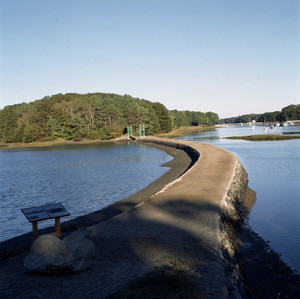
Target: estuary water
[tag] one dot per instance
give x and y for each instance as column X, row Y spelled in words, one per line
column 88, row 178
column 83, row 178
column 273, row 169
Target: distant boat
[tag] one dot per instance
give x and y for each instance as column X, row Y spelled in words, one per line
column 265, row 128
column 253, row 127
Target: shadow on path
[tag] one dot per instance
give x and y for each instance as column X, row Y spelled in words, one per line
column 129, row 246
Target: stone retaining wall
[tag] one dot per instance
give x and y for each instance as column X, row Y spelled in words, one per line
column 231, row 217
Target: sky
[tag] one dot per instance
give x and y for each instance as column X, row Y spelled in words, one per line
column 231, row 57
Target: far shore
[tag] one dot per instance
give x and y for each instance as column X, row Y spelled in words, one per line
column 174, row 133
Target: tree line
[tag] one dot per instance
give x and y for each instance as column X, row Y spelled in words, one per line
column 291, row 112
column 103, row 116
column 193, row 118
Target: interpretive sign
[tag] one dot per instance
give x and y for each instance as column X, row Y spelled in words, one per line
column 56, row 210
column 45, row 212
column 35, row 214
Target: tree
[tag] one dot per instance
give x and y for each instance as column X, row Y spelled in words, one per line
column 150, row 120
column 8, row 124
column 95, row 115
column 212, row 118
column 289, row 113
column 163, row 116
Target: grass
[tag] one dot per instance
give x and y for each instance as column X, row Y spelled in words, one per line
column 184, row 131
column 264, row 137
column 287, row 133
column 176, row 280
column 49, row 143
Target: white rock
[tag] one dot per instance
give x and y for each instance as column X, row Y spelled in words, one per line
column 49, row 254
column 82, row 249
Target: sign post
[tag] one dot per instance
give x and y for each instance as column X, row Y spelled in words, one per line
column 40, row 213
column 35, row 229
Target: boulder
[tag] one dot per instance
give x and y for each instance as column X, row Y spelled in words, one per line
column 82, row 249
column 51, row 255
column 48, row 254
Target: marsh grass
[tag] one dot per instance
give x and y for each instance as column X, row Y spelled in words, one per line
column 50, row 143
column 175, row 280
column 264, row 137
column 290, row 133
column 184, row 131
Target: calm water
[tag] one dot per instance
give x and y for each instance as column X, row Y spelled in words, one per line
column 273, row 169
column 84, row 179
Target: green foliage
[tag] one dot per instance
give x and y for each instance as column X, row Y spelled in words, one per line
column 9, row 124
column 163, row 116
column 175, row 279
column 193, row 118
column 74, row 116
column 291, row 112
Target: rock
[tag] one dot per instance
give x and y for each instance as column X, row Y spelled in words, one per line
column 51, row 255
column 48, row 254
column 82, row 249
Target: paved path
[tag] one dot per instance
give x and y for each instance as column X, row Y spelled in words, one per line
column 179, row 222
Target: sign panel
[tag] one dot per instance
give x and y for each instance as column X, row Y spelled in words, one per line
column 35, row 214
column 56, row 210
column 45, row 212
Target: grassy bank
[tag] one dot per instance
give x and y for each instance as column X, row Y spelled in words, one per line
column 264, row 137
column 184, row 131
column 50, row 143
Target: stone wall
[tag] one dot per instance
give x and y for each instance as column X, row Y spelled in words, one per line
column 192, row 152
column 232, row 215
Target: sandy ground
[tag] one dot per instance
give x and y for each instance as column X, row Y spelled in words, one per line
column 131, row 242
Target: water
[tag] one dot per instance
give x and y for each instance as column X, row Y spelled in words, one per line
column 88, row 178
column 83, row 178
column 273, row 169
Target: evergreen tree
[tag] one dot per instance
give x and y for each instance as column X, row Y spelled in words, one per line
column 163, row 116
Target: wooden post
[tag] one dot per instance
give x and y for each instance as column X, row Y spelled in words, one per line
column 35, row 230
column 57, row 227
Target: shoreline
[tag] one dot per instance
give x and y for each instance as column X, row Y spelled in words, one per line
column 55, row 143
column 180, row 163
column 253, row 267
column 46, row 144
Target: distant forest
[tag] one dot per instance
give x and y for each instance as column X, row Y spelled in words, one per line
column 91, row 116
column 291, row 112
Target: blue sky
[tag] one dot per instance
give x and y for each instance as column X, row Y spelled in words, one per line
column 231, row 57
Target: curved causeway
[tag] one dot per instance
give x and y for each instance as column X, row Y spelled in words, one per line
column 179, row 223
column 180, row 242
